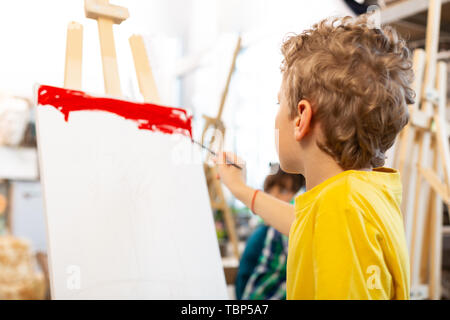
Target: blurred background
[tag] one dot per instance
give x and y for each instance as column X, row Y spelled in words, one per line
column 190, row 44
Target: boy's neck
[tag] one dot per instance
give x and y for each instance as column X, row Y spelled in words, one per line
column 321, row 168
column 319, row 173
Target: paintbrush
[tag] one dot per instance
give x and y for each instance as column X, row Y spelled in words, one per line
column 215, row 154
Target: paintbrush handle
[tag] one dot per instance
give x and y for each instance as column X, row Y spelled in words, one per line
column 215, row 154
column 234, row 164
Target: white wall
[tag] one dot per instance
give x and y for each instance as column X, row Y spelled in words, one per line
column 33, row 41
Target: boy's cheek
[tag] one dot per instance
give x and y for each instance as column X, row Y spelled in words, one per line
column 277, row 133
column 281, row 145
column 288, row 151
column 277, row 120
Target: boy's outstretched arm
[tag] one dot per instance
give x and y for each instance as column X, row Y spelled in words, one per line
column 274, row 212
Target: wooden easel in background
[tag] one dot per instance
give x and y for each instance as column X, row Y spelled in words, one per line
column 423, row 159
column 214, row 185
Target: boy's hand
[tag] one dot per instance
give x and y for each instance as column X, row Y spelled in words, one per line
column 274, row 212
column 231, row 176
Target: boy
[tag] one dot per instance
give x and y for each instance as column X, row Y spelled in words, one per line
column 343, row 100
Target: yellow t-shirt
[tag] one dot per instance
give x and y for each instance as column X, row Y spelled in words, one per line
column 348, row 240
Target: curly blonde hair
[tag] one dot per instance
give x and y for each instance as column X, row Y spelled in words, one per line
column 358, row 81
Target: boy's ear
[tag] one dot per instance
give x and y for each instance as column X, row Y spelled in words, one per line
column 303, row 119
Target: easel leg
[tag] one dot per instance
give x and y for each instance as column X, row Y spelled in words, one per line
column 146, row 81
column 435, row 252
column 74, row 53
column 109, row 59
column 222, row 205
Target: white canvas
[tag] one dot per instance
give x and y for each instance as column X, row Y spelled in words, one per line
column 126, row 219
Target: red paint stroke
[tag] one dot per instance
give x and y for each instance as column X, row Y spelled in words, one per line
column 148, row 116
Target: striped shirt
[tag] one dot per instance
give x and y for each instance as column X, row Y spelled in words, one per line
column 268, row 281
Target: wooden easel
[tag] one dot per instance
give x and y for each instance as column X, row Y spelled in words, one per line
column 423, row 159
column 106, row 15
column 214, row 186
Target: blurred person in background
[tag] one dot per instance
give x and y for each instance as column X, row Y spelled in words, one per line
column 262, row 269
